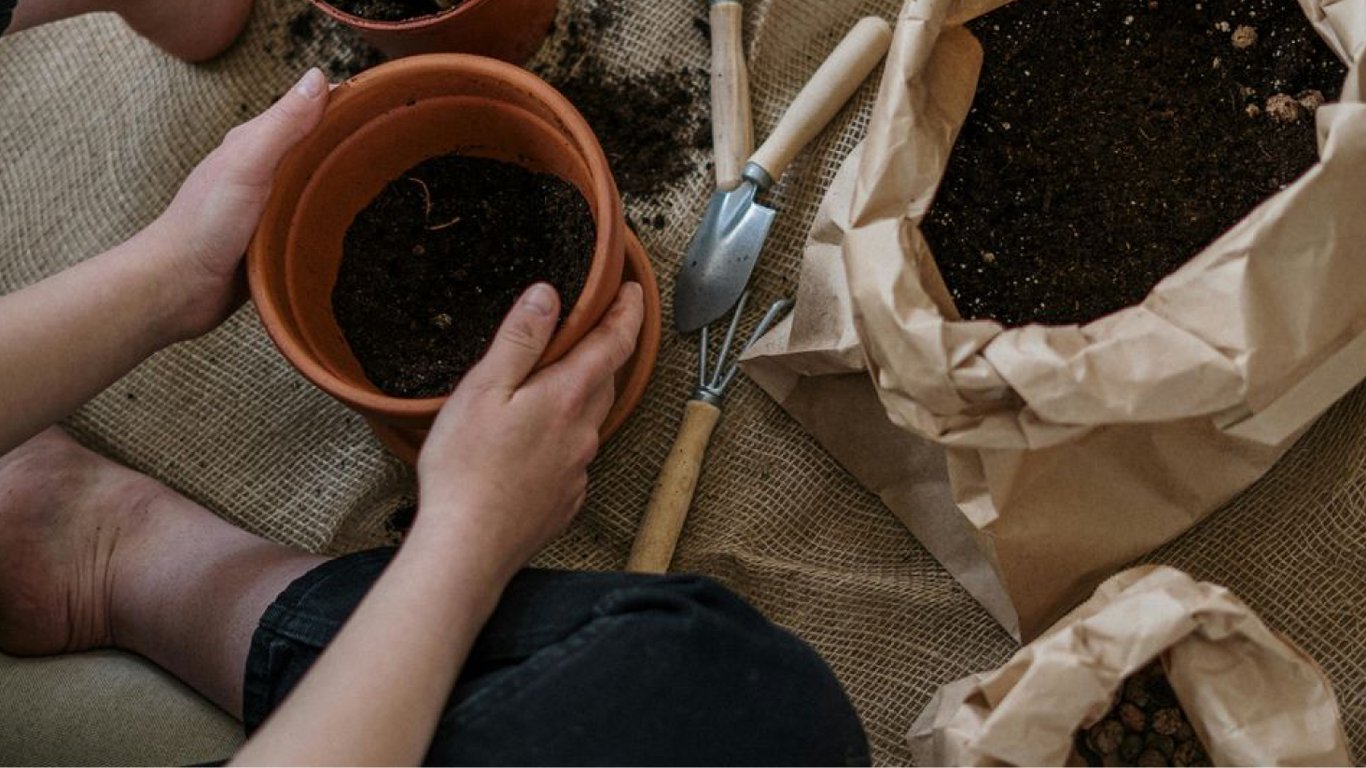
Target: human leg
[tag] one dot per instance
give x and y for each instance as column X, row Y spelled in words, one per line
column 589, row 668
column 193, row 31
column 93, row 554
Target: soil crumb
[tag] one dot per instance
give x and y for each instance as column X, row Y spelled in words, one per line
column 1111, row 140
column 653, row 125
column 430, row 267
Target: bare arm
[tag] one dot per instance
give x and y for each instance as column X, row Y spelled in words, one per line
column 504, row 470
column 65, row 339
column 374, row 696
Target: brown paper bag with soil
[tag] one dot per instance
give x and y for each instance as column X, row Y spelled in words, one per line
column 1035, row 461
column 1250, row 695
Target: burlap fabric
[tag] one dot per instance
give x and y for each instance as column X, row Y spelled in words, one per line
column 99, row 129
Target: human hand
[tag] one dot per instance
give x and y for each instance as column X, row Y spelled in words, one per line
column 506, row 463
column 205, row 230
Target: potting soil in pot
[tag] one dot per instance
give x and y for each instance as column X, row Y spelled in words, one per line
column 430, row 267
column 1110, row 140
column 393, row 10
column 1146, row 727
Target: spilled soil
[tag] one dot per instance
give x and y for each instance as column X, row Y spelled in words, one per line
column 653, row 124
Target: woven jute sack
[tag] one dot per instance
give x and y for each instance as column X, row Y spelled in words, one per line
column 1250, row 695
column 1035, row 461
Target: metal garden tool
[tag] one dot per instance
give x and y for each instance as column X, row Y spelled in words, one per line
column 721, row 256
column 732, row 129
column 663, row 522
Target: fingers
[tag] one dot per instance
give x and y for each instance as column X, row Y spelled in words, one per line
column 255, row 147
column 600, row 403
column 607, row 347
column 521, row 340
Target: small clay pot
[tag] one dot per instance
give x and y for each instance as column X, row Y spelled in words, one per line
column 510, row 30
column 376, row 126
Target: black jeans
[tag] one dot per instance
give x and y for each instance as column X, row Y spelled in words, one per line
column 6, row 10
column 593, row 668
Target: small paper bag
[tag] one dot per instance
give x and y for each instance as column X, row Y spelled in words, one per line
column 1252, row 697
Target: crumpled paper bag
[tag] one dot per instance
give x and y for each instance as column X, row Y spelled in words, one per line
column 1251, row 695
column 1057, row 454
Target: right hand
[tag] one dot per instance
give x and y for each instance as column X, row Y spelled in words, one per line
column 506, row 463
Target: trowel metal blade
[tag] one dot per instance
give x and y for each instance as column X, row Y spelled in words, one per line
column 720, row 258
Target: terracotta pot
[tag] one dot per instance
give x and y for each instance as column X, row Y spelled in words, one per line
column 510, row 30
column 378, row 125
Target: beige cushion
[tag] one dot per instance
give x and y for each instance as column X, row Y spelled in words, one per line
column 106, row 708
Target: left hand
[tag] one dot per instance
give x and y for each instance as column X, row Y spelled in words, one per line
column 205, row 230
column 505, row 466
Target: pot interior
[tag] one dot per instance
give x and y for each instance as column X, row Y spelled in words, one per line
column 380, row 151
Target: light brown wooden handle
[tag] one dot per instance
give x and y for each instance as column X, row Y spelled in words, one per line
column 732, row 130
column 821, row 99
column 663, row 521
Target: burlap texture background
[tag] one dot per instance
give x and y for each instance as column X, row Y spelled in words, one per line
column 98, row 131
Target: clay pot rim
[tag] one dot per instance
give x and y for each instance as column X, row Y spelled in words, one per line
column 273, row 317
column 420, row 22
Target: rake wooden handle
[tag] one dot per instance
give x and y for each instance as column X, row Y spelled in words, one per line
column 821, row 99
column 732, row 130
column 663, row 521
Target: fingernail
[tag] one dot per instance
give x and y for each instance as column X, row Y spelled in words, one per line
column 312, row 84
column 539, row 298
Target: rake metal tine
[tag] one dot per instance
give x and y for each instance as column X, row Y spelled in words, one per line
column 775, row 309
column 702, row 360
column 730, row 337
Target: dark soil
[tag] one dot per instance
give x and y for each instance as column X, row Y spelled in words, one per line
column 653, row 125
column 1146, row 726
column 1111, row 140
column 393, row 10
column 432, row 265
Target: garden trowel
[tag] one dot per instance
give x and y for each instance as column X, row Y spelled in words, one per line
column 721, row 256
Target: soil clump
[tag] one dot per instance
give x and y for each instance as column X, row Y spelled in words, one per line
column 431, row 266
column 1111, row 140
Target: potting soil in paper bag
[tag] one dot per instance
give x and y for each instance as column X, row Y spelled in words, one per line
column 1035, row 461
column 1251, row 696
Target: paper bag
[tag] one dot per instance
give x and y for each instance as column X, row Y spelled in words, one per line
column 1251, row 696
column 1061, row 453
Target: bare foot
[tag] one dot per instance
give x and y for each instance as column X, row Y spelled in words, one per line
column 68, row 519
column 193, row 30
column 94, row 554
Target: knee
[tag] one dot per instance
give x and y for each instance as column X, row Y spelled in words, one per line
column 758, row 685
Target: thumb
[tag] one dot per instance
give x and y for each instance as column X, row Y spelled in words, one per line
column 255, row 147
column 521, row 339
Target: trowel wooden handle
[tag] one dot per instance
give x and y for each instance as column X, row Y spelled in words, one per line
column 732, row 130
column 663, row 521
column 832, row 85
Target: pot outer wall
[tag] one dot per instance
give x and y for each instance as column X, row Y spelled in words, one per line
column 437, row 104
column 510, row 30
